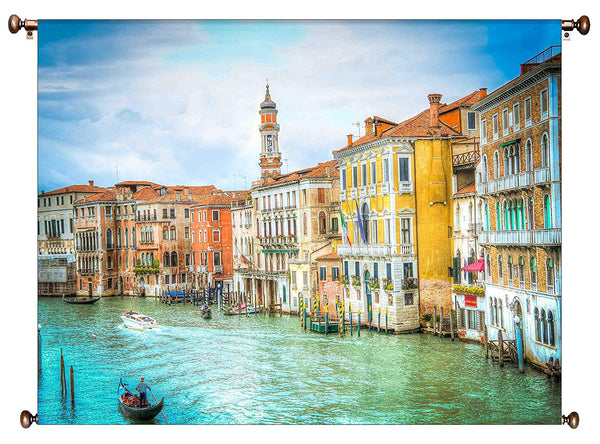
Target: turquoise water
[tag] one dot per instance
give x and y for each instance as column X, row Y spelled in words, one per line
column 267, row 370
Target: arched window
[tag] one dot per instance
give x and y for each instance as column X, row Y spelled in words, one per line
column 173, row 233
column 550, row 275
column 488, row 266
column 551, row 335
column 152, row 259
column 530, row 215
column 165, row 233
column 544, row 149
column 500, row 266
column 495, row 311
column 496, row 165
column 470, row 217
column 365, row 219
column 109, row 238
column 491, row 312
column 521, row 268
column 500, row 317
column 487, row 217
column 547, row 219
column 305, row 224
column 519, row 214
column 498, row 217
column 126, row 238
column 509, row 268
column 108, row 262
column 533, row 269
column 119, row 238
column 544, row 327
column 457, row 218
column 174, row 259
column 528, row 156
column 484, row 169
column 166, row 259
column 322, row 223
column 538, row 325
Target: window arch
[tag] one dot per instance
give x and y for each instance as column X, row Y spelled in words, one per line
column 496, row 165
column 488, row 265
column 530, row 214
column 544, row 327
column 174, row 259
column 173, row 233
column 457, row 217
column 547, row 212
column 166, row 259
column 509, row 268
column 538, row 325
column 492, row 312
column 484, row 169
column 500, row 317
column 528, row 156
column 550, row 275
column 487, row 217
column 109, row 238
column 165, row 233
column 322, row 223
column 498, row 217
column 109, row 263
column 500, row 266
column 551, row 334
column 506, row 162
column 119, row 238
column 533, row 271
column 544, row 150
column 305, row 223
column 521, row 268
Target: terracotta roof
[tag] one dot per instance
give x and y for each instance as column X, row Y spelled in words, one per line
column 214, row 199
column 320, row 170
column 468, row 189
column 468, row 100
column 106, row 196
column 74, row 189
column 330, row 256
column 128, row 183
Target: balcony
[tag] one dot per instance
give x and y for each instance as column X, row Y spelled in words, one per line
column 550, row 237
column 363, row 191
column 353, row 193
column 542, row 176
column 506, row 183
column 364, row 250
column 218, row 269
column 385, row 188
column 373, row 189
column 407, row 249
column 405, row 187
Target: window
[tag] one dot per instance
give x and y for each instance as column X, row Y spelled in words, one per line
column 167, row 279
column 363, row 169
column 172, row 213
column 108, row 211
column 187, row 259
column 187, row 232
column 293, row 274
column 500, row 266
column 334, row 225
column 343, row 178
column 409, row 299
column 551, row 333
column 386, row 170
column 484, row 131
column 217, row 258
column 547, row 212
column 173, row 233
column 109, row 239
column 215, row 215
column 521, row 268
column 405, row 230
column 495, row 126
column 544, row 327
column 544, row 148
column 538, row 325
column 174, row 260
column 505, row 122
column 388, row 271
column 192, row 216
column 109, row 263
column 472, row 319
column 544, row 103
column 528, row 111
column 471, row 121
column 373, row 172
column 186, row 213
column 335, row 273
column 109, row 283
column 322, row 223
column 165, row 213
column 528, row 156
column 516, row 117
column 533, row 270
column 354, row 176
column 374, row 234
column 403, row 175
column 323, row 273
column 216, row 235
column 550, row 275
column 165, row 234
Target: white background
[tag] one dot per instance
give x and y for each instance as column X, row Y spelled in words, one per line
column 18, row 135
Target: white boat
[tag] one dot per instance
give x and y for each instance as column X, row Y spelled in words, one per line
column 138, row 321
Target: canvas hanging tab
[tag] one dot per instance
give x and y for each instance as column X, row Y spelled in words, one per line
column 15, row 23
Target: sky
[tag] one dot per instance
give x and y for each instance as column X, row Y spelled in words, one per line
column 176, row 102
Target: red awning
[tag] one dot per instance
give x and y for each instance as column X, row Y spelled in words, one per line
column 477, row 266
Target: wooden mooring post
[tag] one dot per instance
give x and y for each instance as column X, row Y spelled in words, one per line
column 350, row 315
column 441, row 320
column 72, row 388
column 358, row 328
column 452, row 324
column 486, row 346
column 378, row 319
column 386, row 320
column 63, row 387
column 500, row 349
column 434, row 319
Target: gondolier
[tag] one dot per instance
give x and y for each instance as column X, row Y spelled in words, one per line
column 141, row 388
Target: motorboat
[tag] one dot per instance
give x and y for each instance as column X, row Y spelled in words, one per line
column 138, row 321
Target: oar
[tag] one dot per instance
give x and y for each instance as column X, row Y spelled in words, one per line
column 162, row 411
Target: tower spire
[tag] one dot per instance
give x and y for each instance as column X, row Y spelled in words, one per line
column 270, row 158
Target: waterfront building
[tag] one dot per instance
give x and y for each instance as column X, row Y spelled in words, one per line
column 105, row 242
column 330, row 289
column 56, row 249
column 519, row 177
column 212, row 240
column 396, row 199
column 296, row 219
column 244, row 241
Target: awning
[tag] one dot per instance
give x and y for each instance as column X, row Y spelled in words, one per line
column 476, row 266
column 509, row 143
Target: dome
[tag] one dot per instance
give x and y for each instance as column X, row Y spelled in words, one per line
column 268, row 103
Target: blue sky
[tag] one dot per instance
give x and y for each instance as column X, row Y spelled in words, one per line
column 176, row 102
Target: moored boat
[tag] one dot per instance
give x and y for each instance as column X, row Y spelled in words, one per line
column 129, row 404
column 81, row 299
column 250, row 309
column 138, row 321
column 205, row 312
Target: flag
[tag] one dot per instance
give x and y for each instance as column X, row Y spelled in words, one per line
column 360, row 226
column 344, row 228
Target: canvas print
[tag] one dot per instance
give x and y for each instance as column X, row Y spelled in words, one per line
column 299, row 222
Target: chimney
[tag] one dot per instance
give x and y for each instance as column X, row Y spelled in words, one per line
column 434, row 113
column 368, row 125
column 349, row 139
column 482, row 92
column 379, row 129
column 91, row 182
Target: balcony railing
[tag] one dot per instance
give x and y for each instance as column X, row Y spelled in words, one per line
column 218, row 269
column 364, row 250
column 385, row 188
column 542, row 175
column 550, row 289
column 543, row 237
column 506, row 183
column 407, row 249
column 363, row 191
column 373, row 189
column 343, row 194
column 353, row 193
column 405, row 187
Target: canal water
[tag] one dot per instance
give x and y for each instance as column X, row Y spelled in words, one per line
column 267, row 370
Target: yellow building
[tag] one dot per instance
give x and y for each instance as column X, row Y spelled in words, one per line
column 395, row 193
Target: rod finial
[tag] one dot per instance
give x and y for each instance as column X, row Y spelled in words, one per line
column 572, row 420
column 582, row 25
column 27, row 418
column 14, row 24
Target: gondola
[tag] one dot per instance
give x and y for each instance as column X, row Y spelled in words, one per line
column 81, row 300
column 129, row 406
column 206, row 314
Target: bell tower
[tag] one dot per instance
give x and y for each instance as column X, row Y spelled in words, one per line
column 270, row 157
